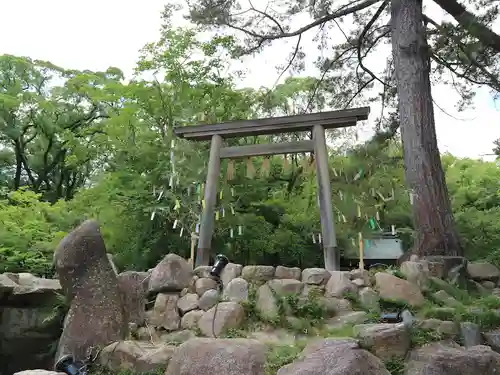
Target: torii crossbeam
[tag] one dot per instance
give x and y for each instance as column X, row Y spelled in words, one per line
column 315, row 122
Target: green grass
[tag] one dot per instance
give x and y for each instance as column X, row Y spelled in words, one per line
column 396, row 366
column 279, row 356
column 307, row 312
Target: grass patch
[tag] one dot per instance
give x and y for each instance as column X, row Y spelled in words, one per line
column 396, row 366
column 295, row 313
column 344, row 331
column 460, row 295
column 487, row 302
column 419, row 336
column 279, row 356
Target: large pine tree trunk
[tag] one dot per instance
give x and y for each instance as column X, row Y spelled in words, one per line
column 433, row 218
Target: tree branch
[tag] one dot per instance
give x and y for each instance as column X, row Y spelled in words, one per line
column 361, row 39
column 470, row 22
column 330, row 17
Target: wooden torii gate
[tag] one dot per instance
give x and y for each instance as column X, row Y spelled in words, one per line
column 315, row 122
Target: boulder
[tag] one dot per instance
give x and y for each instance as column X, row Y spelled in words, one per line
column 445, row 299
column 96, row 316
column 26, row 290
column 171, row 275
column 134, row 286
column 386, row 341
column 449, row 359
column 287, row 273
column 209, row 299
column 165, row 313
column 482, row 271
column 203, row 284
column 231, row 271
column 266, row 303
column 25, row 336
column 221, row 356
column 223, row 316
column 190, row 319
column 257, row 274
column 236, row 290
column 335, row 357
column 339, row 284
column 369, row 299
column 416, row 273
column 39, row 372
column 393, row 288
column 471, row 334
column 284, row 287
column 316, row 276
column 188, row 303
column 135, row 356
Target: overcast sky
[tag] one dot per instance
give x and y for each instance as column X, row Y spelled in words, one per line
column 96, row 34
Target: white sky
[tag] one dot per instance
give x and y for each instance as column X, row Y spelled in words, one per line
column 96, row 34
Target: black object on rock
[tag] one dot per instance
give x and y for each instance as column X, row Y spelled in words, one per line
column 405, row 317
column 70, row 366
column 392, row 317
column 221, row 262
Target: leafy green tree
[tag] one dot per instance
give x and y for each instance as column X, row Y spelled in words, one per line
column 416, row 41
column 51, row 124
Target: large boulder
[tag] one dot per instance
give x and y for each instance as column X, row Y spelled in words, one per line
column 39, row 372
column 221, row 317
column 218, row 356
column 481, row 271
column 30, row 321
column 25, row 337
column 165, row 313
column 171, row 275
column 96, row 316
column 136, row 356
column 451, row 359
column 384, row 340
column 393, row 288
column 335, row 357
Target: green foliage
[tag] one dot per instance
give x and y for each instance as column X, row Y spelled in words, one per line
column 81, row 144
column 420, row 337
column 279, row 356
column 301, row 315
column 396, row 366
column 29, row 229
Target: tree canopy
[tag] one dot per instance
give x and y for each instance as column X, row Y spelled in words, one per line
column 83, row 144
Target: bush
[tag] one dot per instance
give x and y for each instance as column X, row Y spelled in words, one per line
column 29, row 232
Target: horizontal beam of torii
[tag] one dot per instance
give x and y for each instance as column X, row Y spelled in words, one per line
column 314, row 122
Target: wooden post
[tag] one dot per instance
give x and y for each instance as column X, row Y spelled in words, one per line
column 330, row 253
column 207, row 217
column 361, row 251
column 194, row 238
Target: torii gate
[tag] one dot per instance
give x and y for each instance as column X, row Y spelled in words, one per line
column 315, row 122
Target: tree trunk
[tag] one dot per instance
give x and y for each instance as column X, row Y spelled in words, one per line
column 432, row 214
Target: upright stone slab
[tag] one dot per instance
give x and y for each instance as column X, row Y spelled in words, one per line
column 96, row 316
column 134, row 286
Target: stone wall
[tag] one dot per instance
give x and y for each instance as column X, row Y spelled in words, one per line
column 29, row 321
column 172, row 303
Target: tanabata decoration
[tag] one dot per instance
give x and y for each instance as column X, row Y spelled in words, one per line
column 250, row 169
column 266, row 167
column 230, row 170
